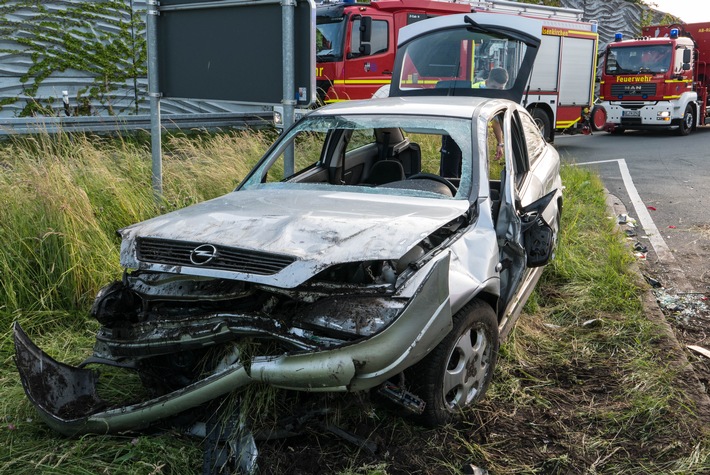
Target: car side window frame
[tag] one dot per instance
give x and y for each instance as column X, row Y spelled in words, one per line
column 520, row 159
column 535, row 141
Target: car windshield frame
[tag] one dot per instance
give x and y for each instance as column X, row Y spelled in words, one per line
column 458, row 128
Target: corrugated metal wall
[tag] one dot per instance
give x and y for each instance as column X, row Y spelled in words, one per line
column 51, row 46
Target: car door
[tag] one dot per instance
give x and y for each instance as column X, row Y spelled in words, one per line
column 508, row 223
column 524, row 238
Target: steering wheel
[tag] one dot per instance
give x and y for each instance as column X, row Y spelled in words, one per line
column 433, row 177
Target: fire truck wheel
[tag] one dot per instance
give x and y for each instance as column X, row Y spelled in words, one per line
column 543, row 123
column 686, row 124
column 598, row 118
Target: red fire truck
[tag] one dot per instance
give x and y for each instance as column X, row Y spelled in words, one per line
column 356, row 46
column 658, row 81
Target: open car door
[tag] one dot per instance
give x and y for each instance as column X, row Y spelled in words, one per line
column 526, row 240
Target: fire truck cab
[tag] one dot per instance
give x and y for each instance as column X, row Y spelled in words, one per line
column 356, row 43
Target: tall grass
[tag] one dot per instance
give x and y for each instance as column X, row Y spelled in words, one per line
column 64, row 196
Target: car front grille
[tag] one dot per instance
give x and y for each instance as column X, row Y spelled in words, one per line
column 633, row 90
column 162, row 251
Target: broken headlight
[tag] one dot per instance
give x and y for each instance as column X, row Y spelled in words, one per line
column 349, row 317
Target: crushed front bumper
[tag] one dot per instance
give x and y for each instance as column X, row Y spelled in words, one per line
column 67, row 398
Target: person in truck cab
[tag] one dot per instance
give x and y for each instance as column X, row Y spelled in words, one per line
column 497, row 79
column 658, row 60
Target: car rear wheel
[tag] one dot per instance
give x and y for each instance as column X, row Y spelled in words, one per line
column 458, row 371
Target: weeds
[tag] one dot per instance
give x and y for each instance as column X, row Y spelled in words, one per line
column 582, row 385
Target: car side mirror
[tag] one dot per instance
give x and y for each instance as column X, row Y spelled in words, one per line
column 538, row 235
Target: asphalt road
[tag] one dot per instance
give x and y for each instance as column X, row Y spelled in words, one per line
column 663, row 180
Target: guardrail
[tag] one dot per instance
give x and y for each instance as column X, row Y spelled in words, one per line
column 101, row 124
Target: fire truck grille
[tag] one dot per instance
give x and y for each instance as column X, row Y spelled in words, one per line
column 633, row 90
column 195, row 254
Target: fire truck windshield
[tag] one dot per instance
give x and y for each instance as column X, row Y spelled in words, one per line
column 638, row 59
column 329, row 38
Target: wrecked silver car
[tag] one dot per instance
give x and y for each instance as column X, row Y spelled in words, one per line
column 385, row 244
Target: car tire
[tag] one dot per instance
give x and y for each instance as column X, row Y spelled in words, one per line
column 686, row 123
column 542, row 120
column 458, row 371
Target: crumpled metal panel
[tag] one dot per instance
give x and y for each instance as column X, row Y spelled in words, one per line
column 348, row 227
column 67, row 400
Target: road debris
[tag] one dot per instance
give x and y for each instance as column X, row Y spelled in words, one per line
column 652, row 282
column 700, row 349
column 471, row 469
column 684, row 307
column 640, row 247
column 593, row 323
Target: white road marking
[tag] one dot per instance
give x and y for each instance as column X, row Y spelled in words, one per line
column 662, row 250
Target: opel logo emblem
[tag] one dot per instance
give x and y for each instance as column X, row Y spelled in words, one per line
column 203, row 254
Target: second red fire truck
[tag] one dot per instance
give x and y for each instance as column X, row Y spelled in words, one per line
column 356, row 46
column 658, row 81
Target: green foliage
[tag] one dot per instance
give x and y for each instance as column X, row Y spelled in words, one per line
column 58, row 40
column 65, row 196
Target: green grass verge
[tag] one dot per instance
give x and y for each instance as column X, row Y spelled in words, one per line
column 583, row 385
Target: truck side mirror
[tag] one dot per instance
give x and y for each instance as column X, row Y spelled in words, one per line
column 366, row 29
column 686, row 56
column 365, row 35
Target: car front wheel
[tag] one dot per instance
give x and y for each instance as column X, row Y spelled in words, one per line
column 458, row 371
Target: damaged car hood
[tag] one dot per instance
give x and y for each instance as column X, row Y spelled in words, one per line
column 313, row 228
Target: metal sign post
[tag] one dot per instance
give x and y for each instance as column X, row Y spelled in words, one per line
column 288, row 101
column 229, row 50
column 154, row 95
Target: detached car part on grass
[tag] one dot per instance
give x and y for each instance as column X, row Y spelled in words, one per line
column 367, row 264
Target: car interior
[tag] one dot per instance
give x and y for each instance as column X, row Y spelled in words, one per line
column 382, row 158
